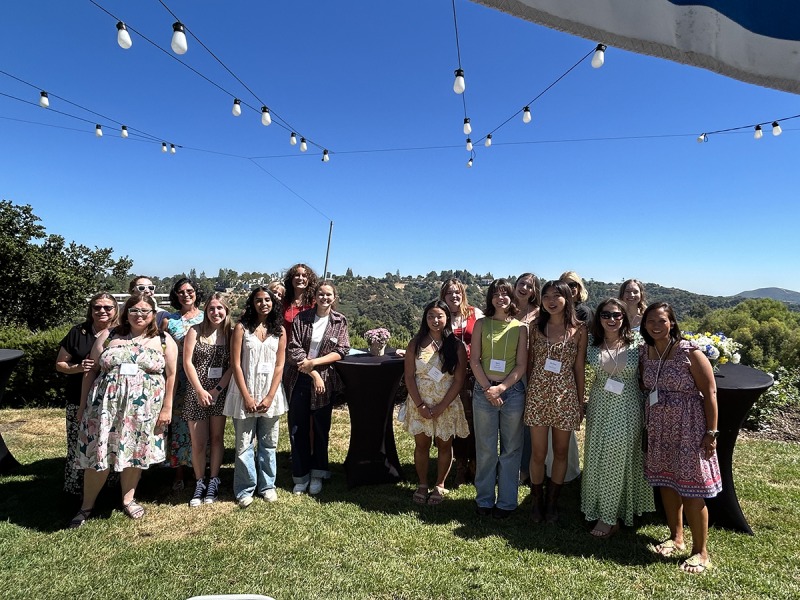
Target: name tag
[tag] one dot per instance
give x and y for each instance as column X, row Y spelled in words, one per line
column 554, row 366
column 614, row 386
column 214, row 372
column 262, row 369
column 497, row 365
column 653, row 397
column 128, row 369
column 435, row 374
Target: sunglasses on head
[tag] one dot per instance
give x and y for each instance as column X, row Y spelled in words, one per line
column 142, row 288
column 610, row 315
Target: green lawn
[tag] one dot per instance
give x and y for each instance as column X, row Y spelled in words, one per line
column 370, row 542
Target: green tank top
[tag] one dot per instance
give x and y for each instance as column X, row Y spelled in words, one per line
column 499, row 341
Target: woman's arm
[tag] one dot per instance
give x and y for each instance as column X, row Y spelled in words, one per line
column 171, row 359
column 295, row 352
column 455, row 386
column 204, row 398
column 475, row 355
column 277, row 374
column 64, row 359
column 236, row 366
column 579, row 368
column 521, row 361
column 703, row 375
column 91, row 374
column 410, row 377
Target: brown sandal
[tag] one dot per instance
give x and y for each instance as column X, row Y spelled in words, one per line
column 437, row 496
column 421, row 495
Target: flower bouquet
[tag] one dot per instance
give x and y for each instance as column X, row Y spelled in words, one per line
column 718, row 348
column 377, row 338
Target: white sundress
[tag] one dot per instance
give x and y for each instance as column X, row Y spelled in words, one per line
column 255, row 352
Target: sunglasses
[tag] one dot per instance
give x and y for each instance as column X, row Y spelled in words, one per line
column 185, row 292
column 140, row 311
column 610, row 315
column 142, row 288
column 572, row 285
column 103, row 308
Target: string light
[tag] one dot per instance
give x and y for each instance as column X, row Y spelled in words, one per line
column 124, row 132
column 163, row 146
column 459, row 85
column 469, row 145
column 303, row 145
column 469, row 163
column 44, row 101
column 123, row 37
column 172, row 149
column 467, row 126
column 759, row 133
column 325, row 156
column 266, row 119
column 488, row 141
column 776, row 128
column 98, row 131
column 526, row 114
column 293, row 139
column 599, row 57
column 236, row 111
column 702, row 138
column 179, row 45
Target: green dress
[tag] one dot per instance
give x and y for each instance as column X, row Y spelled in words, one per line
column 613, row 484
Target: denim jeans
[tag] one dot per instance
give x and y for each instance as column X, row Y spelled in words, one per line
column 491, row 468
column 255, row 469
column 309, row 458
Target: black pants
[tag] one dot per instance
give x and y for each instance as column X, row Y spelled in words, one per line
column 308, row 459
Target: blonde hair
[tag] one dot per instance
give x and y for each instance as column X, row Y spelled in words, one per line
column 205, row 328
column 583, row 294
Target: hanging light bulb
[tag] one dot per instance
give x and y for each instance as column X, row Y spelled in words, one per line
column 325, row 156
column 266, row 119
column 776, row 128
column 172, row 149
column 488, row 141
column 293, row 139
column 303, row 145
column 44, row 101
column 236, row 111
column 459, row 85
column 467, row 126
column 469, row 145
column 759, row 133
column 123, row 37
column 526, row 114
column 599, row 56
column 469, row 163
column 178, row 44
column 163, row 146
column 98, row 131
column 702, row 138
column 124, row 132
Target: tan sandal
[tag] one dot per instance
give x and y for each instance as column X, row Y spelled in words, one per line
column 421, row 495
column 695, row 565
column 668, row 547
column 437, row 495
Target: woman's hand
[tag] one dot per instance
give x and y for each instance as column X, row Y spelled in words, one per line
column 164, row 418
column 437, row 410
column 205, row 398
column 87, row 364
column 708, row 445
column 493, row 395
column 306, row 366
column 319, row 385
column 249, row 404
column 265, row 403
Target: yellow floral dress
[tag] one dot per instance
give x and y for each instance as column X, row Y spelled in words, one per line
column 451, row 423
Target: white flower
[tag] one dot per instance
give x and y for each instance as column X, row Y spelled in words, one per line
column 736, row 358
column 712, row 352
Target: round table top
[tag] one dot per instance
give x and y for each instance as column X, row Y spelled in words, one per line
column 741, row 377
column 9, row 354
column 368, row 359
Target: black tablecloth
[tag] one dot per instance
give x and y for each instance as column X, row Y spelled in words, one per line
column 370, row 387
column 8, row 360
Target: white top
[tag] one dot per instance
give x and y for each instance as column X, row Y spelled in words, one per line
column 317, row 334
column 254, row 353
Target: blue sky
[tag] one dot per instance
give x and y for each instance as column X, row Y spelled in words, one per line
column 372, row 82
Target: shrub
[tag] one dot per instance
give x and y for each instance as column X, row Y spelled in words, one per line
column 34, row 381
column 785, row 392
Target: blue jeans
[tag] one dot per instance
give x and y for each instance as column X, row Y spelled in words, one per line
column 247, row 476
column 491, row 468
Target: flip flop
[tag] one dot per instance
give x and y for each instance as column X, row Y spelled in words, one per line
column 421, row 495
column 604, row 535
column 133, row 510
column 667, row 548
column 696, row 564
column 437, row 496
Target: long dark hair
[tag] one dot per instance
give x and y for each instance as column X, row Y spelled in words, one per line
column 534, row 297
column 496, row 286
column 642, row 296
column 674, row 330
column 311, row 290
column 599, row 334
column 249, row 318
column 173, row 293
column 449, row 349
column 570, row 320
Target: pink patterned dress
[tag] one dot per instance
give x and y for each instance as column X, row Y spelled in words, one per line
column 676, row 425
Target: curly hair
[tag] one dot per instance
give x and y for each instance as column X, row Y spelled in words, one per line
column 308, row 295
column 274, row 320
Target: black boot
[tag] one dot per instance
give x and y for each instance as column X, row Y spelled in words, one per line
column 551, row 511
column 537, row 497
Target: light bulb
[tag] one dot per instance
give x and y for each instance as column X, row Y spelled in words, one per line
column 98, row 131
column 469, row 145
column 702, row 138
column 459, row 85
column 469, row 163
column 759, row 133
column 325, row 156
column 178, row 44
column 526, row 115
column 163, row 146
column 776, row 128
column 124, row 132
column 488, row 141
column 236, row 111
column 293, row 139
column 123, row 37
column 303, row 145
column 599, row 56
column 172, row 149
column 44, row 101
column 467, row 126
column 266, row 119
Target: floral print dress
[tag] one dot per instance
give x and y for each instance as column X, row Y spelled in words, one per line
column 118, row 427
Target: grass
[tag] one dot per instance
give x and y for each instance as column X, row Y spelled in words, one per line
column 369, row 542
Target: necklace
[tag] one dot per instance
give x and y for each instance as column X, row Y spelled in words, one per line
column 436, row 346
column 613, row 357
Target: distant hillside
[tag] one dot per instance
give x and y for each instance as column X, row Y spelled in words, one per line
column 775, row 293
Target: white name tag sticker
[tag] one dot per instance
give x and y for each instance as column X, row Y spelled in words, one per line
column 262, row 368
column 128, row 369
column 653, row 397
column 554, row 366
column 214, row 372
column 614, row 386
column 497, row 365
column 435, row 374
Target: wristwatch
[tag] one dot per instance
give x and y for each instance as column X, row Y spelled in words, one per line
column 714, row 433
column 218, row 388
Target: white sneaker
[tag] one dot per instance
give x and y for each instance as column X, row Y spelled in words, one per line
column 316, row 486
column 245, row 501
column 270, row 495
column 299, row 488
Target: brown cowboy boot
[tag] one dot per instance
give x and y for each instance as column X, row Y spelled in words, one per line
column 551, row 511
column 537, row 496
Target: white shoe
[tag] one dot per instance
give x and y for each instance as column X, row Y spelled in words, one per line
column 270, row 495
column 245, row 501
column 316, row 486
column 299, row 488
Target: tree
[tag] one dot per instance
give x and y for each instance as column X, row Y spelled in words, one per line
column 44, row 281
